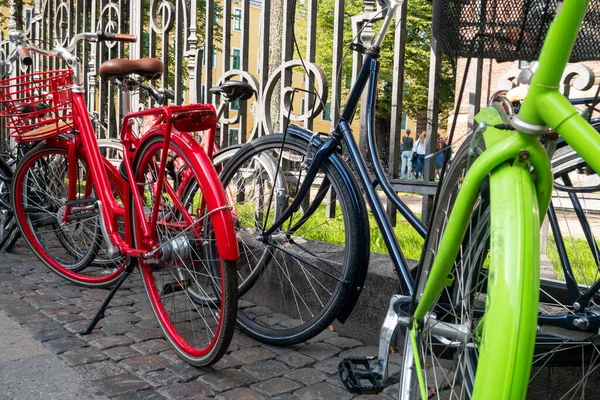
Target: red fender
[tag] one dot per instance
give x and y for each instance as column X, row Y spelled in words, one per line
column 212, row 189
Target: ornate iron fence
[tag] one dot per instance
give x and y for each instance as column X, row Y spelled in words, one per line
column 182, row 34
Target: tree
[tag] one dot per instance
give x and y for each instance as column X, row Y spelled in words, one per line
column 275, row 49
column 416, row 64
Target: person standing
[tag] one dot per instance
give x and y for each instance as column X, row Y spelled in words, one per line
column 407, row 154
column 420, row 148
column 440, row 157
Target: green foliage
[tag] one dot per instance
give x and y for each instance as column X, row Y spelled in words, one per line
column 416, row 66
column 3, row 17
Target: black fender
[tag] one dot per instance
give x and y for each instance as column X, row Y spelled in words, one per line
column 356, row 282
column 6, row 172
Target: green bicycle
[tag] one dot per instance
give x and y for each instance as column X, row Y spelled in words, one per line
column 482, row 306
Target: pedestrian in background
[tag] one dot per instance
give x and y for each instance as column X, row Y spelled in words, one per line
column 420, row 148
column 440, row 157
column 407, row 155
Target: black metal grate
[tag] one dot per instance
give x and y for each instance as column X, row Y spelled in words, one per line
column 507, row 29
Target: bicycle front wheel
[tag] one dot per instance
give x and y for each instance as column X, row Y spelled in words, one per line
column 488, row 319
column 294, row 282
column 187, row 263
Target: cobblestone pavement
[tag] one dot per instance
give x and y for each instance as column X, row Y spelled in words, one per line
column 126, row 356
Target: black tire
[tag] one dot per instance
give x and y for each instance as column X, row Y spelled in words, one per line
column 291, row 298
column 11, row 235
column 574, row 351
column 200, row 332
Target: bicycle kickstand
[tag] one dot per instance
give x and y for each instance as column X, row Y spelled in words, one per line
column 358, row 374
column 129, row 267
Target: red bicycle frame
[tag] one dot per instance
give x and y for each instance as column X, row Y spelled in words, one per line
column 213, row 194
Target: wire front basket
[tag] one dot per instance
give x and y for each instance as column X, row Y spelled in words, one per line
column 37, row 106
column 507, row 30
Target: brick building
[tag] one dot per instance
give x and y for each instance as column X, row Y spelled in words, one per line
column 579, row 80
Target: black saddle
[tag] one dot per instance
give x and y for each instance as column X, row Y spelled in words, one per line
column 233, row 90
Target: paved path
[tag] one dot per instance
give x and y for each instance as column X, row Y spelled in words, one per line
column 127, row 358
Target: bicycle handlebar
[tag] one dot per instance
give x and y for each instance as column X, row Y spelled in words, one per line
column 24, row 55
column 116, row 37
column 24, row 48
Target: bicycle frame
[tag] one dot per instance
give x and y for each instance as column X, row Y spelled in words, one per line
column 109, row 209
column 544, row 106
column 343, row 132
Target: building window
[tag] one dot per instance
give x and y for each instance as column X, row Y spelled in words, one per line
column 233, row 136
column 214, row 58
column 403, row 123
column 234, row 105
column 202, row 90
column 28, row 11
column 237, row 19
column 260, row 24
column 327, row 112
column 235, row 59
column 301, row 106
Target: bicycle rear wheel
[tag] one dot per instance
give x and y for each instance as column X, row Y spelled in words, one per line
column 199, row 330
column 40, row 195
column 293, row 283
column 479, row 331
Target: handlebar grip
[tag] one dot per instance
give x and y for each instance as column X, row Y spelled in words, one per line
column 125, row 37
column 116, row 37
column 24, row 55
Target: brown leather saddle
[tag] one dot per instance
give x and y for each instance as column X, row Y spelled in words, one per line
column 149, row 68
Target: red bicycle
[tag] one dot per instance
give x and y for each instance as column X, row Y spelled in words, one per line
column 176, row 228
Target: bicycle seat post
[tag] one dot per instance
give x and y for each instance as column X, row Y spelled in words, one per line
column 126, row 86
column 222, row 107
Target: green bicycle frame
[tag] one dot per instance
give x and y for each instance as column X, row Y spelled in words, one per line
column 521, row 183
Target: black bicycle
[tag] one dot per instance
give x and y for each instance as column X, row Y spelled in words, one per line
column 304, row 236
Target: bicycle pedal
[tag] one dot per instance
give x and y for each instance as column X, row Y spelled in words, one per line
column 83, row 215
column 79, row 202
column 358, row 376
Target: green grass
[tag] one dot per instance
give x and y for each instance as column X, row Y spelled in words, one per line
column 331, row 230
column 581, row 258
